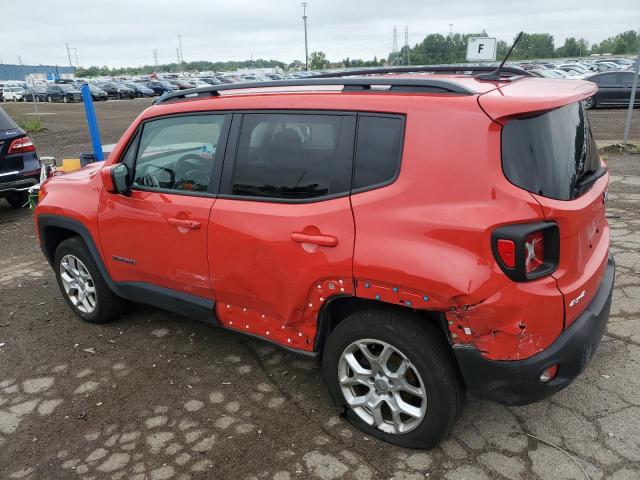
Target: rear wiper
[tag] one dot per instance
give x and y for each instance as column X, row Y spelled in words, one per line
column 588, row 178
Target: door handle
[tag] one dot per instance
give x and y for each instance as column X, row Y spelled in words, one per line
column 178, row 222
column 322, row 240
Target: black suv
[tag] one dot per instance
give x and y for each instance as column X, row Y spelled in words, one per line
column 19, row 164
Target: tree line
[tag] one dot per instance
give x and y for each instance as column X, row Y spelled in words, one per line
column 433, row 49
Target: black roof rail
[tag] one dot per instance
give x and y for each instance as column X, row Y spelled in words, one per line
column 456, row 68
column 424, row 85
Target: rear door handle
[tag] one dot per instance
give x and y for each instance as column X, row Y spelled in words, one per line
column 178, row 222
column 322, row 240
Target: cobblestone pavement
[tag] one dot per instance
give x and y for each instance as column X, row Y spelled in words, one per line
column 157, row 396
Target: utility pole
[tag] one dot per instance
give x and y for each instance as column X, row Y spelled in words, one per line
column 68, row 54
column 75, row 52
column 179, row 62
column 634, row 86
column 155, row 58
column 19, row 60
column 181, row 57
column 306, row 45
column 451, row 29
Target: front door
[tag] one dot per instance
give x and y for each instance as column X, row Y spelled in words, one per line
column 282, row 229
column 158, row 233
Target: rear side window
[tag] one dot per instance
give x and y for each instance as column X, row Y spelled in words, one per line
column 549, row 154
column 294, row 156
column 378, row 150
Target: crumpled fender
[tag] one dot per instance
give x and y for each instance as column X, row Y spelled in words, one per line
column 516, row 322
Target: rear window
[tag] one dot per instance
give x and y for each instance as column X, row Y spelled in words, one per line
column 549, row 154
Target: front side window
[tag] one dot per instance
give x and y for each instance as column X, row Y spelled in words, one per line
column 179, row 153
column 294, row 156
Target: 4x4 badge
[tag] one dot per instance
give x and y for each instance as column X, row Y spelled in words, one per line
column 577, row 299
column 123, row 260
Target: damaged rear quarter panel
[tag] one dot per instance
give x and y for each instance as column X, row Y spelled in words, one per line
column 515, row 323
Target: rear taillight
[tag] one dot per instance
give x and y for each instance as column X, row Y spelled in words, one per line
column 527, row 251
column 507, row 252
column 22, row 145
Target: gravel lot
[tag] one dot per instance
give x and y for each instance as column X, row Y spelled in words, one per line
column 157, row 396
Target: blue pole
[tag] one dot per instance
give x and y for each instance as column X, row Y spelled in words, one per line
column 92, row 121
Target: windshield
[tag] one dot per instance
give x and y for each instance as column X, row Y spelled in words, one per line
column 550, row 153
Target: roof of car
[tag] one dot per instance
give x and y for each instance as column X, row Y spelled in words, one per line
column 500, row 98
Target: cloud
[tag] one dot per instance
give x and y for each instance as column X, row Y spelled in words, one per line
column 121, row 32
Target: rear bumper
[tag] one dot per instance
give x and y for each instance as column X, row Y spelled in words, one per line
column 18, row 185
column 518, row 382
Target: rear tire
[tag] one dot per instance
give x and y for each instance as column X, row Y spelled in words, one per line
column 431, row 371
column 589, row 103
column 81, row 274
column 17, row 199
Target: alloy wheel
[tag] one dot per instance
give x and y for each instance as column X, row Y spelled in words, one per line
column 588, row 103
column 382, row 386
column 78, row 284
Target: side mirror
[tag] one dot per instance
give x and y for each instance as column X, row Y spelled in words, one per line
column 116, row 178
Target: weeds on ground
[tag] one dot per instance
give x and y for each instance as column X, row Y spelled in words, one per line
column 31, row 125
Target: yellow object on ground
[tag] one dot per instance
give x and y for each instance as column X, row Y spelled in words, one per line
column 70, row 165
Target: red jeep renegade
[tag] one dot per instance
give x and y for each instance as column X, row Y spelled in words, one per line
column 419, row 233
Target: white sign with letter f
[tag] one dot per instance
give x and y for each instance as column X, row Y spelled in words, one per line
column 481, row 49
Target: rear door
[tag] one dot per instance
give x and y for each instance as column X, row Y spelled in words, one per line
column 608, row 87
column 554, row 156
column 282, row 224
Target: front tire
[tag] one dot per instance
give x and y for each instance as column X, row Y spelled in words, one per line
column 393, row 374
column 82, row 284
column 49, row 99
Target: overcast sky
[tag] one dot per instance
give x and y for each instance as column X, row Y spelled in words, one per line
column 125, row 32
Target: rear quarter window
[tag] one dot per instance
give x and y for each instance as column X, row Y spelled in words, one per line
column 378, row 150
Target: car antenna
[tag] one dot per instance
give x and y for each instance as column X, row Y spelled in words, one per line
column 495, row 75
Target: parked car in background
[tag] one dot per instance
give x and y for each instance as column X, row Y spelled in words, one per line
column 160, row 87
column 572, row 71
column 614, row 88
column 97, row 94
column 62, row 92
column 117, row 90
column 40, row 92
column 19, row 164
column 546, row 73
column 211, row 80
column 618, row 62
column 16, row 94
column 140, row 89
